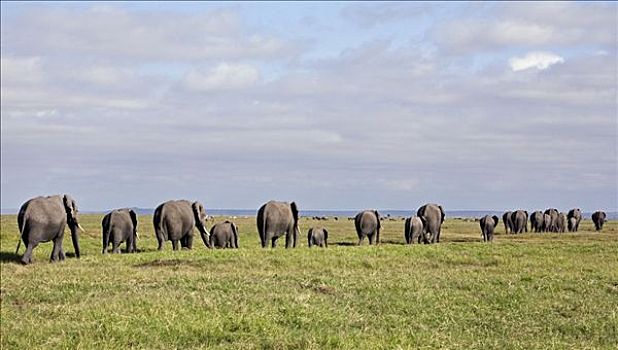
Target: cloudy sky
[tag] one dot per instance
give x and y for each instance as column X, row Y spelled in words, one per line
column 334, row 105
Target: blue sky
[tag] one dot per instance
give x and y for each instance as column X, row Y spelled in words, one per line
column 333, row 105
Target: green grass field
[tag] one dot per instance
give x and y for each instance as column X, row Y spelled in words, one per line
column 531, row 291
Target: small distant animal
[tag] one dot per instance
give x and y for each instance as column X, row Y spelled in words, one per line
column 488, row 224
column 598, row 218
column 317, row 236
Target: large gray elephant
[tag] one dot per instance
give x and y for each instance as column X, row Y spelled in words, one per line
column 519, row 218
column 174, row 221
column 368, row 224
column 119, row 225
column 536, row 221
column 224, row 235
column 413, row 230
column 575, row 213
column 508, row 223
column 598, row 218
column 432, row 216
column 488, row 224
column 317, row 236
column 43, row 219
column 275, row 219
column 553, row 215
column 561, row 222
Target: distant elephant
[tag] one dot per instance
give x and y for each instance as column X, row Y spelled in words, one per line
column 43, row 219
column 598, row 218
column 413, row 230
column 546, row 223
column 119, row 226
column 519, row 219
column 432, row 216
column 508, row 223
column 224, row 235
column 174, row 221
column 536, row 221
column 317, row 236
column 368, row 224
column 577, row 214
column 561, row 222
column 488, row 224
column 275, row 219
column 553, row 214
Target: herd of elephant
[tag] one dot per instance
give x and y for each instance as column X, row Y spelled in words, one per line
column 43, row 219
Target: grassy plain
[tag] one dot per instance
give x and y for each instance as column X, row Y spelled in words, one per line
column 531, row 291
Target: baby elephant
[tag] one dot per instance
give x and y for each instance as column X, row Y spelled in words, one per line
column 413, row 230
column 224, row 235
column 317, row 236
column 119, row 226
column 488, row 224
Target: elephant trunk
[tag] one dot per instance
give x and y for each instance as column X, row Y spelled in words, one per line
column 75, row 237
column 204, row 234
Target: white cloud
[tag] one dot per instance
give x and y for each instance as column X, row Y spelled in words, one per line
column 539, row 60
column 224, row 76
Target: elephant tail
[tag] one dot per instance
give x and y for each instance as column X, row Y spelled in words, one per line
column 21, row 234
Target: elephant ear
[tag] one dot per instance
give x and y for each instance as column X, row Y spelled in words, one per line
column 134, row 220
column 421, row 211
column 378, row 218
column 294, row 209
column 325, row 235
column 442, row 214
column 496, row 220
column 70, row 206
column 309, row 234
column 198, row 209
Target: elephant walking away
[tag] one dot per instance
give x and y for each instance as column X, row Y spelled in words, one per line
column 519, row 218
column 413, row 230
column 553, row 224
column 536, row 221
column 488, row 224
column 576, row 214
column 508, row 224
column 223, row 235
column 43, row 219
column 432, row 216
column 546, row 223
column 275, row 219
column 561, row 222
column 119, row 226
column 367, row 224
column 317, row 236
column 174, row 221
column 598, row 218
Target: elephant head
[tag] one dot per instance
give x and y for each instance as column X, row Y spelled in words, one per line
column 200, row 221
column 72, row 220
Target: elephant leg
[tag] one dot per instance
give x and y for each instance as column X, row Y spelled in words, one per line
column 115, row 247
column 360, row 240
column 175, row 244
column 27, row 258
column 190, row 241
column 371, row 238
column 295, row 236
column 378, row 237
column 55, row 255
column 160, row 239
column 288, row 240
column 273, row 242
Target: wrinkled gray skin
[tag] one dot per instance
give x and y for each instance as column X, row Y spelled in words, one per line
column 553, row 225
column 561, row 222
column 224, row 235
column 546, row 222
column 519, row 218
column 508, row 224
column 42, row 219
column 119, row 226
column 275, row 219
column 317, row 236
column 367, row 224
column 488, row 224
column 598, row 218
column 577, row 214
column 413, row 230
column 536, row 221
column 432, row 216
column 174, row 221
